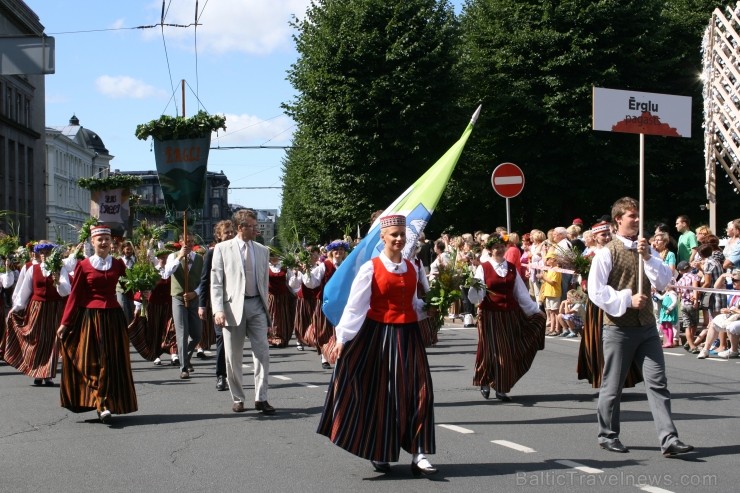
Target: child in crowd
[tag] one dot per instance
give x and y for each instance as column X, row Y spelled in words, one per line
column 550, row 292
column 668, row 314
column 572, row 313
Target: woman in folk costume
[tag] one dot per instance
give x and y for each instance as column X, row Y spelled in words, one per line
column 152, row 331
column 281, row 304
column 306, row 301
column 511, row 327
column 96, row 365
column 31, row 344
column 318, row 277
column 380, row 397
column 590, row 354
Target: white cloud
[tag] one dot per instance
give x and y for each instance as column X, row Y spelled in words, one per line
column 118, row 24
column 122, row 86
column 257, row 27
column 250, row 130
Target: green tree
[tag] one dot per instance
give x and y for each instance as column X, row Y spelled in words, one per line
column 533, row 65
column 375, row 93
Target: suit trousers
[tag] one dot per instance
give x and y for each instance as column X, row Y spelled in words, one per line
column 188, row 329
column 220, row 357
column 127, row 305
column 622, row 345
column 254, row 326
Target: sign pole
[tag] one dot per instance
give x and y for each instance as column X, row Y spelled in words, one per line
column 508, row 217
column 641, row 234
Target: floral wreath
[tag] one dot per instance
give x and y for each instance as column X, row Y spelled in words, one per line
column 335, row 245
column 38, row 247
column 495, row 239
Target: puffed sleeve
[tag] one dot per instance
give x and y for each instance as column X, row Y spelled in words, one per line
column 358, row 304
column 475, row 296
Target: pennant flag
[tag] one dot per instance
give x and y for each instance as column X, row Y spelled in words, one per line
column 417, row 203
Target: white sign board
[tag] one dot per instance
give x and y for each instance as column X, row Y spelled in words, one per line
column 647, row 113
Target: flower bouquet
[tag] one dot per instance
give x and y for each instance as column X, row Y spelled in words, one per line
column 446, row 289
column 54, row 262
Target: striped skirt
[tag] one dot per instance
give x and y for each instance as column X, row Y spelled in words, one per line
column 208, row 338
column 148, row 334
column 304, row 309
column 507, row 345
column 96, row 365
column 590, row 354
column 322, row 328
column 428, row 329
column 282, row 314
column 380, row 397
column 31, row 343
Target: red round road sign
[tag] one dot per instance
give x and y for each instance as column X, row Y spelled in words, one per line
column 507, row 180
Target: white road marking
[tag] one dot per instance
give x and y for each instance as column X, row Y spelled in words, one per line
column 515, row 446
column 280, row 377
column 653, row 489
column 673, row 354
column 579, row 467
column 456, row 428
column 720, row 360
column 310, row 386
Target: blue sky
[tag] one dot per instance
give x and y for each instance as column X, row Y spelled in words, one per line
column 113, row 77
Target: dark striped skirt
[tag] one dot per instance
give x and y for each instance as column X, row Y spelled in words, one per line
column 380, row 397
column 591, row 355
column 31, row 343
column 208, row 338
column 507, row 344
column 282, row 314
column 96, row 365
column 304, row 309
column 149, row 333
column 321, row 327
column 428, row 330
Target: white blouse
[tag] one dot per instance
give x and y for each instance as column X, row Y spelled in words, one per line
column 521, row 294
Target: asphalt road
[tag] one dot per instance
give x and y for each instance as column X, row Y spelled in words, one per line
column 185, row 437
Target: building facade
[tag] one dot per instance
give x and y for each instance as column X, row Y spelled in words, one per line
column 266, row 223
column 72, row 152
column 22, row 115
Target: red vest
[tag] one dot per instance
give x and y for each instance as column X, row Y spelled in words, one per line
column 43, row 287
column 276, row 283
column 391, row 301
column 500, row 296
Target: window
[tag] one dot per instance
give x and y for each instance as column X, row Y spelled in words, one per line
column 215, row 211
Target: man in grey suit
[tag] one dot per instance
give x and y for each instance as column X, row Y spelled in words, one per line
column 239, row 279
column 629, row 332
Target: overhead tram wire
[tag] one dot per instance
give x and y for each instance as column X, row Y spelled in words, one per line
column 166, row 55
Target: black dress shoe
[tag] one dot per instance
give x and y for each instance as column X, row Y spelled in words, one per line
column 485, row 391
column 615, row 446
column 677, row 447
column 426, row 471
column 383, row 467
column 264, row 407
column 325, row 365
column 503, row 397
column 221, row 383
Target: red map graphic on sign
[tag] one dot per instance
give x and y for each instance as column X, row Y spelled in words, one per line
column 645, row 124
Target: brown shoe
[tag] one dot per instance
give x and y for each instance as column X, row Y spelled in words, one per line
column 238, row 407
column 184, row 375
column 264, row 407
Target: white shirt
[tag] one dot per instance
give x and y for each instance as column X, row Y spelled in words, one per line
column 358, row 302
column 613, row 302
column 521, row 294
column 25, row 290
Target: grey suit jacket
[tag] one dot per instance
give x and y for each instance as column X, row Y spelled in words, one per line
column 228, row 280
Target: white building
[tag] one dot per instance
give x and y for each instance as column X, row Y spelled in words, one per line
column 72, row 152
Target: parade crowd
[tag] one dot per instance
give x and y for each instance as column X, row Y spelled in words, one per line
column 79, row 306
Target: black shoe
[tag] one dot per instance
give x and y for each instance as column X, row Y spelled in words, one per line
column 426, row 471
column 503, row 397
column 200, row 355
column 615, row 446
column 677, row 447
column 383, row 467
column 221, row 383
column 184, row 375
column 38, row 381
column 325, row 365
column 264, row 407
column 191, row 369
column 485, row 391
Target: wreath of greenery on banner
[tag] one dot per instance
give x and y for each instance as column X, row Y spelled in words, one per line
column 112, row 182
column 179, row 127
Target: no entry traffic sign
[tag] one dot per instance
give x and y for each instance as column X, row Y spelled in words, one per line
column 507, row 180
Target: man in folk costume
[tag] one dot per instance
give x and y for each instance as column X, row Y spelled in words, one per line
column 188, row 326
column 630, row 330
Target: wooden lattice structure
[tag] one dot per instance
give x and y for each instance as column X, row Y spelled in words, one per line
column 721, row 75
